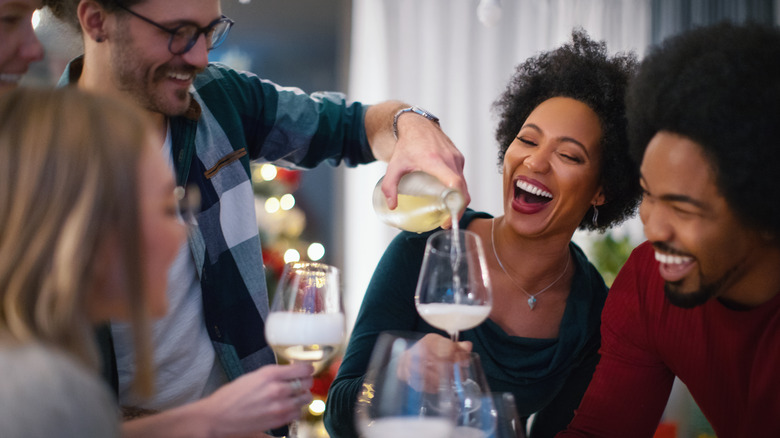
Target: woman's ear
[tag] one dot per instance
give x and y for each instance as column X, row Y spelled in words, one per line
column 598, row 198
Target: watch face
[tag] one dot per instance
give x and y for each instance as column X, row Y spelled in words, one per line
column 424, row 113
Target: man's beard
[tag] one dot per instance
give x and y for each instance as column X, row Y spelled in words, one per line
column 130, row 79
column 689, row 300
column 147, row 97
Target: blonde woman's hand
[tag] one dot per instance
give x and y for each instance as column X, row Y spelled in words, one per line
column 262, row 400
column 247, row 407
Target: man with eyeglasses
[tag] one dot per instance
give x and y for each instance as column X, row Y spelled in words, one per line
column 211, row 121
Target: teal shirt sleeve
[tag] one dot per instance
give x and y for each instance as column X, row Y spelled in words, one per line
column 278, row 124
column 284, row 125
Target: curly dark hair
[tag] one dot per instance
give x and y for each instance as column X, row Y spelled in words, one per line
column 65, row 10
column 580, row 70
column 719, row 86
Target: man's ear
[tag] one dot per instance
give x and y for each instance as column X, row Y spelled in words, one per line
column 92, row 18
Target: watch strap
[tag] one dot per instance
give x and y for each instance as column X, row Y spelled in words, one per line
column 412, row 109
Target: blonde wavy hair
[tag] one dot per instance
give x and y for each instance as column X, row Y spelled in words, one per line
column 68, row 185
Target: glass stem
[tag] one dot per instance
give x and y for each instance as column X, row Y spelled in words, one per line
column 292, row 429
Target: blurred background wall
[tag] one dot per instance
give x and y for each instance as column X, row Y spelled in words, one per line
column 452, row 57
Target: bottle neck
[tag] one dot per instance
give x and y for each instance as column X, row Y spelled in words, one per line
column 452, row 199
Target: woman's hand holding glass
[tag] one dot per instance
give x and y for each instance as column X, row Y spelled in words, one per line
column 427, row 352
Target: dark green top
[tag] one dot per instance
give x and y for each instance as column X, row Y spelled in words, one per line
column 547, row 376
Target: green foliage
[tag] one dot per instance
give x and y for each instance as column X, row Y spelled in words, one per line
column 609, row 255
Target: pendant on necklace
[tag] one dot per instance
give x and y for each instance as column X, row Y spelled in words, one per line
column 532, row 302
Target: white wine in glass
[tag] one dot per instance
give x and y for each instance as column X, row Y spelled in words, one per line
column 306, row 321
column 301, row 337
column 453, row 291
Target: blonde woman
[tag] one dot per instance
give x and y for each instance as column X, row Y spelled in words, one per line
column 89, row 226
column 83, row 199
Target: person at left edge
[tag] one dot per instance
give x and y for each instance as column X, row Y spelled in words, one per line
column 211, row 121
column 20, row 47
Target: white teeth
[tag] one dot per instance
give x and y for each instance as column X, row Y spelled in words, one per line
column 8, row 77
column 671, row 259
column 180, row 76
column 522, row 185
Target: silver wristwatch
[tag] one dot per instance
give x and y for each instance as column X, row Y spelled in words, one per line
column 412, row 109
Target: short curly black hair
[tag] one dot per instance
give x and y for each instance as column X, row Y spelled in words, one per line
column 580, row 70
column 719, row 86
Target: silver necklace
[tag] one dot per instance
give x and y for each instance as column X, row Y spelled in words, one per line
column 531, row 297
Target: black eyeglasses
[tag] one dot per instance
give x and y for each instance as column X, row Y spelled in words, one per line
column 184, row 37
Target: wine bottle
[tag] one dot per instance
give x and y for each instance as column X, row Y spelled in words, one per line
column 424, row 203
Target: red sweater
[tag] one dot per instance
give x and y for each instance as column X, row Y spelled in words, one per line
column 730, row 361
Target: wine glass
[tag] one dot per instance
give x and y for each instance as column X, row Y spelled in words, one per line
column 306, row 321
column 476, row 415
column 407, row 391
column 508, row 423
column 453, row 290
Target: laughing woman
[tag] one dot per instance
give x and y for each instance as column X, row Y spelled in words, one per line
column 563, row 155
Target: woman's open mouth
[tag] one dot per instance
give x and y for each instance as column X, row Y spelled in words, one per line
column 530, row 197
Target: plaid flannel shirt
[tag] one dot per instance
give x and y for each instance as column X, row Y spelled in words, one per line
column 236, row 117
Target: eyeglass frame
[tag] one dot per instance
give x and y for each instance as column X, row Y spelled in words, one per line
column 192, row 41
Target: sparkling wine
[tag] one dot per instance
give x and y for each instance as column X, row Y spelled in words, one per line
column 305, row 352
column 310, row 337
column 453, row 318
column 455, row 255
column 468, row 432
column 395, row 427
